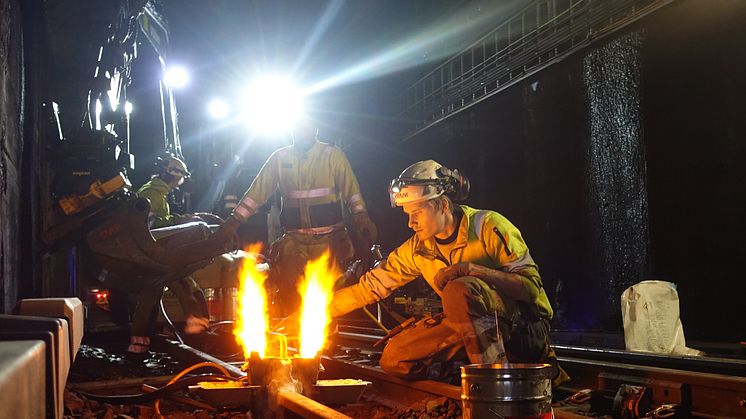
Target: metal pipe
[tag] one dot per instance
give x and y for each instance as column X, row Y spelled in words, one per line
column 375, row 320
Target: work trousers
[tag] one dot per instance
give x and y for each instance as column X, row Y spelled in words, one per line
column 146, row 311
column 478, row 327
column 289, row 255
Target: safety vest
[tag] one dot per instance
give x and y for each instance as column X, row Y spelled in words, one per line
column 310, row 186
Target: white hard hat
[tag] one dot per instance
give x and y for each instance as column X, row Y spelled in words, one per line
column 427, row 180
column 176, row 167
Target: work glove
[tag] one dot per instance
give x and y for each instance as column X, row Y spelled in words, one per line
column 226, row 234
column 365, row 227
column 449, row 273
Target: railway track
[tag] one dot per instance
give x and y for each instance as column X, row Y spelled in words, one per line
column 699, row 393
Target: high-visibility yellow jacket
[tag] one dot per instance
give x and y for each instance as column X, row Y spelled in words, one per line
column 157, row 190
column 306, row 181
column 484, row 237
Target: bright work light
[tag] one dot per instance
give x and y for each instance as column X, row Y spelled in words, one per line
column 273, row 105
column 176, row 77
column 218, row 109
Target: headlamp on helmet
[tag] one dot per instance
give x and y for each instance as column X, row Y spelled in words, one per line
column 174, row 166
column 427, row 180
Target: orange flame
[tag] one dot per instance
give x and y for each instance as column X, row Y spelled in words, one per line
column 252, row 322
column 316, row 289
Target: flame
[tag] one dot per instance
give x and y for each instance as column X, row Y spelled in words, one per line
column 252, row 322
column 316, row 289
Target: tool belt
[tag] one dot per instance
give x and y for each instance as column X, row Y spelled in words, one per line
column 321, row 215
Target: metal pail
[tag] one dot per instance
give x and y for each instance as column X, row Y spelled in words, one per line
column 230, row 307
column 214, row 304
column 506, row 391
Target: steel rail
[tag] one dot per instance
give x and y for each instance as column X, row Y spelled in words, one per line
column 391, row 390
column 288, row 401
column 706, row 394
column 397, row 393
column 708, row 386
column 725, row 366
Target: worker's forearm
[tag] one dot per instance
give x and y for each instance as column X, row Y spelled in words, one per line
column 349, row 299
column 511, row 284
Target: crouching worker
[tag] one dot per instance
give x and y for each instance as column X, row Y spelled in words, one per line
column 495, row 309
column 171, row 174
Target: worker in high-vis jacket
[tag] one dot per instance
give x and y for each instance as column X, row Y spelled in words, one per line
column 315, row 181
column 495, row 309
column 172, row 172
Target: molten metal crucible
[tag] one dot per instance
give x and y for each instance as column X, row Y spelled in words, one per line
column 300, row 374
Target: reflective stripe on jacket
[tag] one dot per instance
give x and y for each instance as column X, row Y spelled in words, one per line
column 316, row 177
column 484, row 237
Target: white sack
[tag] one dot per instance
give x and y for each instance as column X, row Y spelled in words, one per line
column 650, row 313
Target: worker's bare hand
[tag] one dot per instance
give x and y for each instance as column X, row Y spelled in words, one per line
column 449, row 273
column 365, row 227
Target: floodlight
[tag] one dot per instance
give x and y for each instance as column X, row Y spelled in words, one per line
column 176, row 77
column 273, row 105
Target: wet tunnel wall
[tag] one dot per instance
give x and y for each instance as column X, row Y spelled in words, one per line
column 621, row 163
column 11, row 150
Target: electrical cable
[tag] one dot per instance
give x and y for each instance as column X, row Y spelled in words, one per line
column 183, row 373
column 168, row 319
column 149, row 397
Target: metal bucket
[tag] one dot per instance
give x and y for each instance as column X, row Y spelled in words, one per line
column 230, row 303
column 506, row 390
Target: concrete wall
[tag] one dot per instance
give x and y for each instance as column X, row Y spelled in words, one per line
column 11, row 150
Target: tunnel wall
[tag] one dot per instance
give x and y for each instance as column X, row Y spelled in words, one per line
column 11, row 150
column 621, row 163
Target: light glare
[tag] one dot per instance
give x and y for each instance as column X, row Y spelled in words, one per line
column 176, row 77
column 273, row 105
column 218, row 108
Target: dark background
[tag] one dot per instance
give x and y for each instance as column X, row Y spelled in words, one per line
column 621, row 163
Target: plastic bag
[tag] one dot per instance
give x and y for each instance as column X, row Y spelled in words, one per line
column 650, row 313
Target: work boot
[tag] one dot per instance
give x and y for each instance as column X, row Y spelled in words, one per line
column 195, row 325
column 137, row 351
